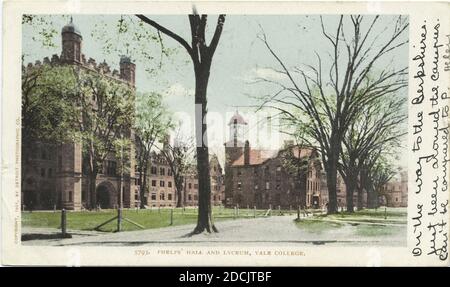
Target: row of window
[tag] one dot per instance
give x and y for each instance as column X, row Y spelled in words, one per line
column 313, row 185
column 162, row 196
column 162, row 183
column 162, row 171
column 49, row 172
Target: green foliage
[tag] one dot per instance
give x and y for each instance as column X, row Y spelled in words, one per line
column 46, row 107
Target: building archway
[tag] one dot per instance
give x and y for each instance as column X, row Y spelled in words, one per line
column 105, row 195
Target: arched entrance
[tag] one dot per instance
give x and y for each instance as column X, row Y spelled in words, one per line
column 105, row 193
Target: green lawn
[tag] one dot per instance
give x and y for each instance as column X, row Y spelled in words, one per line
column 365, row 223
column 88, row 220
column 317, row 226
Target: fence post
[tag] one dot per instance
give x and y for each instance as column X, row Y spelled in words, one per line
column 385, row 213
column 235, row 212
column 279, row 209
column 119, row 219
column 254, row 211
column 63, row 222
column 54, row 208
column 270, row 209
column 248, row 210
column 290, row 209
column 171, row 216
column 298, row 213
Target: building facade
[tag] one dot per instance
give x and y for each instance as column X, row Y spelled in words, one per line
column 287, row 178
column 161, row 189
column 54, row 175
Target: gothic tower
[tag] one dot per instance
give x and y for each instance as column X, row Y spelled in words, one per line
column 71, row 43
column 127, row 70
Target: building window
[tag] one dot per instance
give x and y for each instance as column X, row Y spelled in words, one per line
column 195, row 186
column 153, row 170
column 169, row 196
column 162, row 171
column 111, row 167
column 267, row 171
column 190, row 185
column 169, row 172
column 59, row 163
column 161, row 183
column 396, row 199
column 189, row 197
column 215, row 198
column 162, row 196
column 153, row 182
column 153, row 196
column 42, row 172
column 169, row 184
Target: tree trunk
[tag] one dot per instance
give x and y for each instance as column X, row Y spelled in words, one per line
column 331, row 170
column 143, row 177
column 179, row 188
column 92, row 193
column 360, row 204
column 350, row 190
column 204, row 221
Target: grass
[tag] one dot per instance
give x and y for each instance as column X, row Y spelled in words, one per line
column 88, row 220
column 366, row 230
column 366, row 223
column 317, row 226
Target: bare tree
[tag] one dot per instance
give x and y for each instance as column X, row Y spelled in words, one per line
column 201, row 55
column 353, row 79
column 179, row 156
column 378, row 126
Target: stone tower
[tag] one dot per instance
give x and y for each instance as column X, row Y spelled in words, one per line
column 71, row 43
column 127, row 70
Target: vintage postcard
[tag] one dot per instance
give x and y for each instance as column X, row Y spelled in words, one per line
column 225, row 133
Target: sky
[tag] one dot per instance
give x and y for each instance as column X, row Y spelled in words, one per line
column 241, row 57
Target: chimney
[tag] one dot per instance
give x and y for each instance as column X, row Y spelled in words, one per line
column 127, row 70
column 247, row 153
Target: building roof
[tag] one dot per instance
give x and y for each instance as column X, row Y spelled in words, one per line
column 238, row 118
column 71, row 28
column 260, row 156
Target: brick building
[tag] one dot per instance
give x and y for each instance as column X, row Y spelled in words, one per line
column 161, row 186
column 53, row 174
column 264, row 179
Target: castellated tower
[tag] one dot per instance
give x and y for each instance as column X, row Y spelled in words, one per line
column 71, row 43
column 56, row 178
column 127, row 70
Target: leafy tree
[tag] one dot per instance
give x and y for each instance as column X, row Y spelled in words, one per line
column 151, row 125
column 103, row 116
